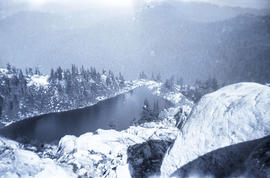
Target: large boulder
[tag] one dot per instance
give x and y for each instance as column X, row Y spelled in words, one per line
column 18, row 162
column 231, row 115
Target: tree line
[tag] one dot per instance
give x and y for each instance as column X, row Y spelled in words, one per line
column 65, row 89
column 176, row 84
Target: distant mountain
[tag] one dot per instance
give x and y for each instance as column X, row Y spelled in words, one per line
column 167, row 37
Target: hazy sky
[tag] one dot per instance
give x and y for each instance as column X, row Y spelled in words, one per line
column 258, row 4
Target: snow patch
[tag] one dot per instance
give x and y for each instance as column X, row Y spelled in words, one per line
column 38, row 81
column 3, row 71
column 103, row 78
column 175, row 97
column 105, row 152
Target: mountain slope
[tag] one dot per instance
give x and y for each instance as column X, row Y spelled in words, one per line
column 30, row 94
column 231, row 115
column 152, row 39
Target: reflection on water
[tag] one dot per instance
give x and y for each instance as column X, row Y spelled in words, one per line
column 117, row 113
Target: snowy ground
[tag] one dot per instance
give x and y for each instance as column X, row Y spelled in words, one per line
column 38, row 81
column 17, row 162
column 176, row 97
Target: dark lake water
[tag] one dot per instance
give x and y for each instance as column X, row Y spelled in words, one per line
column 117, row 113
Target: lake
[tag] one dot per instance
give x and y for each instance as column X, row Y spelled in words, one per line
column 114, row 113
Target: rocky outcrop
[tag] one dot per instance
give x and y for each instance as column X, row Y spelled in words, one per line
column 108, row 153
column 18, row 162
column 145, row 159
column 231, row 115
column 104, row 153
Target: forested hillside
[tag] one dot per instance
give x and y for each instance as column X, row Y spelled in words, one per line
column 29, row 93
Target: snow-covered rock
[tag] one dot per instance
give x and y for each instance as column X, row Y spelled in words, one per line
column 38, row 81
column 105, row 153
column 17, row 162
column 3, row 71
column 96, row 155
column 175, row 97
column 231, row 115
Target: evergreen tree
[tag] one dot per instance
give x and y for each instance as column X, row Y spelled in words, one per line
column 146, row 112
column 37, row 72
column 153, row 77
column 59, row 73
column 67, row 89
column 169, row 83
column 121, row 80
column 156, row 109
column 158, row 79
column 142, row 75
column 30, row 71
column 180, row 81
column 8, row 67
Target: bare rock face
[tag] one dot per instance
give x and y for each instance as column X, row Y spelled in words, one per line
column 145, row 159
column 234, row 114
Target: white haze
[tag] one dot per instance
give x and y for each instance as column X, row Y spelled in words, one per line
column 127, row 3
column 123, row 35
